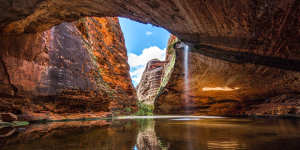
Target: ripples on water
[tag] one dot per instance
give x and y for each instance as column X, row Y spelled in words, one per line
column 158, row 133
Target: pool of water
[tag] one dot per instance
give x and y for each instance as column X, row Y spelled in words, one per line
column 158, row 133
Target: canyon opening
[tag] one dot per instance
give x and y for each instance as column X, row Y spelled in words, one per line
column 187, row 75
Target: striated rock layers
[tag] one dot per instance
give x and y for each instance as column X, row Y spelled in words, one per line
column 150, row 82
column 235, row 24
column 74, row 70
column 244, row 52
column 220, row 87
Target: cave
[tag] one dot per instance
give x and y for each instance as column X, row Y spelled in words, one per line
column 248, row 45
column 243, row 59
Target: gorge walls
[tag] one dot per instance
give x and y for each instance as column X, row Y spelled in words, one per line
column 73, row 70
column 219, row 87
column 244, row 56
column 150, row 82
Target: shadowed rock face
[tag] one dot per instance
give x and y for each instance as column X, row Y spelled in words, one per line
column 235, row 24
column 78, row 67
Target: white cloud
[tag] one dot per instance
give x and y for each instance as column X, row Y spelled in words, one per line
column 138, row 62
column 148, row 33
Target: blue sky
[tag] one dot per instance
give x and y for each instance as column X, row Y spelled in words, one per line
column 143, row 42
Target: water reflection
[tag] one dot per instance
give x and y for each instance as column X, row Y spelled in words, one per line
column 156, row 133
column 147, row 138
column 226, row 144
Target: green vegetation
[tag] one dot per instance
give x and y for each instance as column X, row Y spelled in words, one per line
column 144, row 110
column 170, row 48
column 169, row 67
column 14, row 124
column 127, row 109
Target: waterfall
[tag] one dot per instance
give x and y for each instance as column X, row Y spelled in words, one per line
column 186, row 73
column 186, row 91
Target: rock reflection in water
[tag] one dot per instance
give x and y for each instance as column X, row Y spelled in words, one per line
column 230, row 134
column 146, row 138
column 158, row 134
column 226, row 144
column 6, row 131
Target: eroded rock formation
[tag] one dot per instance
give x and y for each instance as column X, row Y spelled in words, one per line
column 236, row 24
column 78, row 67
column 219, row 87
column 150, row 82
column 243, row 51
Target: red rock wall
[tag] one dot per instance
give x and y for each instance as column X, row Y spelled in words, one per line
column 250, row 44
column 71, row 68
column 218, row 87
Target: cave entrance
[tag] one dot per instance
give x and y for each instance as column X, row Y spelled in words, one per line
column 146, row 49
column 144, row 42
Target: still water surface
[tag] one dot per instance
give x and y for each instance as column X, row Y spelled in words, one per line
column 166, row 133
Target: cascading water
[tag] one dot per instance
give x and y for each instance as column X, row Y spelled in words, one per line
column 186, row 73
column 186, row 91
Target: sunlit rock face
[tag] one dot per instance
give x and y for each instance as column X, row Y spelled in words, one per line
column 78, row 67
column 150, row 82
column 219, row 87
column 247, row 50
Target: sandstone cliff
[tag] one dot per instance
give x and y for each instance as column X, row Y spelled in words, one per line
column 244, row 52
column 78, row 67
column 150, row 82
column 219, row 87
